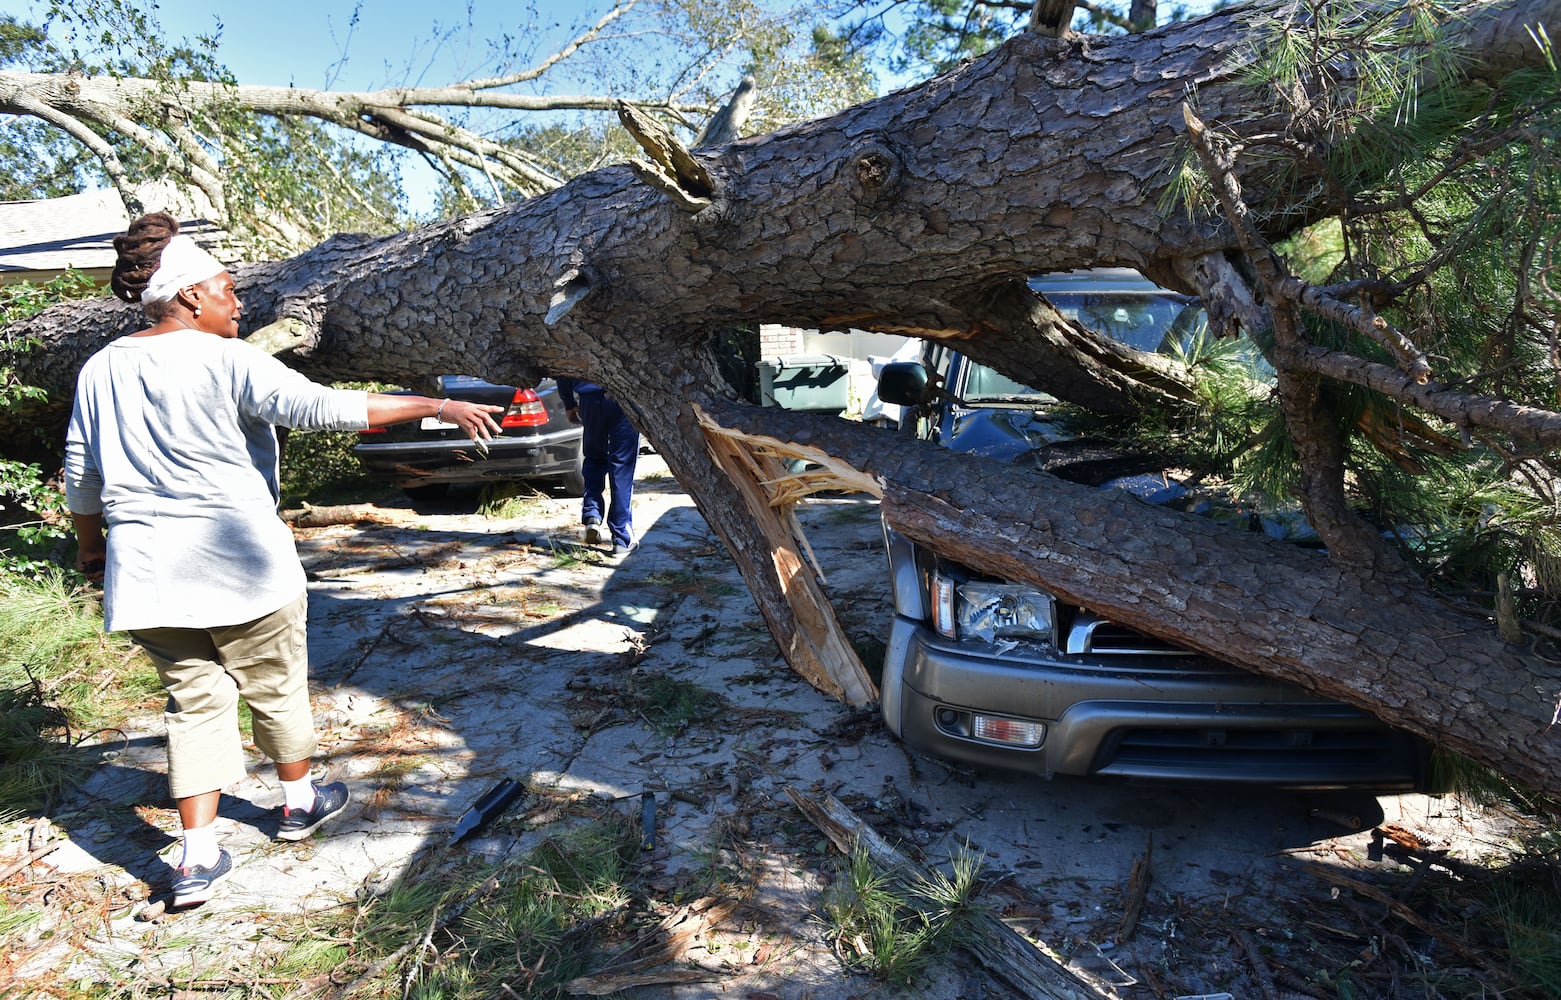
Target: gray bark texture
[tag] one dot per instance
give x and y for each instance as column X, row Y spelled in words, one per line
column 920, row 212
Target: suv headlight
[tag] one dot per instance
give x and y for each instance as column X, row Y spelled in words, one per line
column 990, row 610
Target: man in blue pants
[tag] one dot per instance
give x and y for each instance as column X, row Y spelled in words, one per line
column 610, row 446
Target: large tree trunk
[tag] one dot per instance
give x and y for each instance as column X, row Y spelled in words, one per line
column 919, row 212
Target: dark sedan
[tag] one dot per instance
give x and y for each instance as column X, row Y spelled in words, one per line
column 425, row 457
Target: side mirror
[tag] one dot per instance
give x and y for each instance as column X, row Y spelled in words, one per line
column 905, row 383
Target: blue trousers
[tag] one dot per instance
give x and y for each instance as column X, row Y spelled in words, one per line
column 609, row 448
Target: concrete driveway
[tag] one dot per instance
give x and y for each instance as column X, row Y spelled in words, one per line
column 451, row 651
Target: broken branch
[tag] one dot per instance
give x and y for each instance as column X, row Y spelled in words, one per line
column 671, row 168
column 1410, row 359
column 571, row 287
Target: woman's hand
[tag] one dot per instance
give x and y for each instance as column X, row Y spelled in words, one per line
column 476, row 419
column 91, row 545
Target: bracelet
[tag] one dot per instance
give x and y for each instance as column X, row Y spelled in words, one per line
column 439, row 413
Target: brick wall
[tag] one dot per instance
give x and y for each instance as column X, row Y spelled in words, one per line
column 777, row 341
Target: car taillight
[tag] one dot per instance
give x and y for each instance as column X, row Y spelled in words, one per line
column 525, row 410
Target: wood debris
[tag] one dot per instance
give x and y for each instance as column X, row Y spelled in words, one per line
column 1003, row 951
column 310, row 516
column 1137, row 892
column 636, row 964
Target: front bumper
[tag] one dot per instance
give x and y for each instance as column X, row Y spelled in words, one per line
column 427, row 461
column 1185, row 718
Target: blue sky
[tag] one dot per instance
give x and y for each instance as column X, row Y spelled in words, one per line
column 301, row 42
column 322, row 44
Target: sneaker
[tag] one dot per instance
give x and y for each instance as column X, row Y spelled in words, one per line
column 195, row 883
column 328, row 801
column 623, row 551
column 593, row 532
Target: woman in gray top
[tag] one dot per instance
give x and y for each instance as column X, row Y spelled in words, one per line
column 171, row 450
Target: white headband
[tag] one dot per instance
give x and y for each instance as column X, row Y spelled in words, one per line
column 183, row 264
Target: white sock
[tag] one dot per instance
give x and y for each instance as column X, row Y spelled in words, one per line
column 200, row 846
column 298, row 794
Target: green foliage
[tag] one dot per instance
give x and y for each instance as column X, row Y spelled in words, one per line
column 33, row 519
column 41, row 162
column 894, row 928
column 808, row 80
column 293, row 183
column 318, row 467
column 944, row 33
column 288, row 183
column 22, row 299
column 1445, row 203
column 33, row 536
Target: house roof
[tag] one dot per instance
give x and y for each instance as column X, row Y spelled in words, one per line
column 40, row 239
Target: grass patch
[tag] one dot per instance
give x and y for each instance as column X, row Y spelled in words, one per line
column 457, row 930
column 1526, row 908
column 688, row 582
column 568, row 555
column 893, row 928
column 671, row 706
column 509, row 501
column 41, row 759
column 62, row 680
column 52, row 630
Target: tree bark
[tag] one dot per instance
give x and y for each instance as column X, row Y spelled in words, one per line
column 919, row 213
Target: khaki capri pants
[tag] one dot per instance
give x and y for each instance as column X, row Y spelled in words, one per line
column 206, row 670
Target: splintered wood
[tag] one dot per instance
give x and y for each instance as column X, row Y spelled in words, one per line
column 820, row 651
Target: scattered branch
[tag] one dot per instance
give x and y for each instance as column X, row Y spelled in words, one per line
column 1002, row 950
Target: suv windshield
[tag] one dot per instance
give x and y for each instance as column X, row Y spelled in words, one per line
column 1140, row 321
column 1153, row 321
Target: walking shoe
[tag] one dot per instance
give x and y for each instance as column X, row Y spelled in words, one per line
column 328, row 801
column 593, row 532
column 622, row 551
column 195, row 883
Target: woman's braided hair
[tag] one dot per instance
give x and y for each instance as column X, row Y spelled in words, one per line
column 140, row 251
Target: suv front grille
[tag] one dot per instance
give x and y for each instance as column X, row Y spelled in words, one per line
column 1266, row 754
column 1089, row 634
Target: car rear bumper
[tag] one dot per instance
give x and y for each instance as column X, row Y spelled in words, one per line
column 457, row 459
column 1144, row 719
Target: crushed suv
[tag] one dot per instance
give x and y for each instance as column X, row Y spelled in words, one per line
column 988, row 671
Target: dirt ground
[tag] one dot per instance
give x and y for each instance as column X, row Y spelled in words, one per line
column 452, row 650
